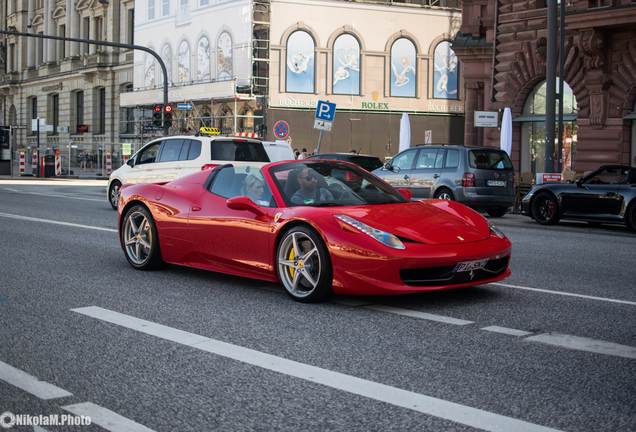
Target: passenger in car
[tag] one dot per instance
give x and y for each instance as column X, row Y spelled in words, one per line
column 254, row 189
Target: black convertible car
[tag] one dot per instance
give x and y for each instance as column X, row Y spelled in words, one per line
column 606, row 195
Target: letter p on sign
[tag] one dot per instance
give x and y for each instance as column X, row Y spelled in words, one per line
column 325, row 111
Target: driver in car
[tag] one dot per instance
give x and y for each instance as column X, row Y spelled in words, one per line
column 309, row 191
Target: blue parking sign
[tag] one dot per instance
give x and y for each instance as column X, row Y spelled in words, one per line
column 325, row 110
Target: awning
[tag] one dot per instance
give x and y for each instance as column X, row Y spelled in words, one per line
column 541, row 118
column 189, row 93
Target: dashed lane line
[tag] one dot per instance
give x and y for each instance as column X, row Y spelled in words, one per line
column 30, row 384
column 563, row 293
column 584, row 344
column 54, row 222
column 507, row 331
column 107, row 419
column 419, row 315
column 429, row 405
column 55, row 195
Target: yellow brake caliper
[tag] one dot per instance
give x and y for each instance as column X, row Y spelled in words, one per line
column 292, row 270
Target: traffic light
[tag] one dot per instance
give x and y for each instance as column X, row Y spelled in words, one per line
column 167, row 116
column 156, row 116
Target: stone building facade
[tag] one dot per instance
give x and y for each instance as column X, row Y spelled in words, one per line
column 73, row 87
column 502, row 45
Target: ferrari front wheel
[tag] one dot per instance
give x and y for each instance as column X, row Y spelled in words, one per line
column 303, row 265
column 139, row 239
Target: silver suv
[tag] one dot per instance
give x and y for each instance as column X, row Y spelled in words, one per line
column 480, row 177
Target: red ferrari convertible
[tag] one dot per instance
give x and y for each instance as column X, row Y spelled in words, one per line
column 316, row 226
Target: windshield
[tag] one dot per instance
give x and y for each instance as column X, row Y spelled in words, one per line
column 489, row 159
column 322, row 184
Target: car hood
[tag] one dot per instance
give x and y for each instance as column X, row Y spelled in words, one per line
column 429, row 221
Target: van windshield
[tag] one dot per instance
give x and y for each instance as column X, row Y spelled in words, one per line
column 489, row 159
column 238, row 150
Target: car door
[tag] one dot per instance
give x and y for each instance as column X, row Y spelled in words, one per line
column 598, row 194
column 424, row 173
column 236, row 241
column 169, row 164
column 398, row 175
column 145, row 164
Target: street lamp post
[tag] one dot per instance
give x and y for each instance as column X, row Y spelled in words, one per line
column 112, row 45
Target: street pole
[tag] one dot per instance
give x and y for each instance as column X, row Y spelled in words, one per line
column 319, row 141
column 112, row 45
column 550, row 87
column 37, row 148
column 561, row 79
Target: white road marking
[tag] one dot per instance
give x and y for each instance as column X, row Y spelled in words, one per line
column 106, row 418
column 54, row 195
column 605, row 299
column 506, row 331
column 584, row 344
column 419, row 315
column 57, row 182
column 32, row 219
column 402, row 398
column 30, row 384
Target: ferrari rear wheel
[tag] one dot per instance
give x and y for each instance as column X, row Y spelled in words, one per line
column 304, row 266
column 139, row 239
column 545, row 209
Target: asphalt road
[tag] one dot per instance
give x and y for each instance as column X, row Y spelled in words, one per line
column 554, row 348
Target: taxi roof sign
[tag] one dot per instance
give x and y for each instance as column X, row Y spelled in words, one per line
column 209, row 131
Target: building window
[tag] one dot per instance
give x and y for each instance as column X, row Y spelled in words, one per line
column 151, row 10
column 300, row 76
column 165, row 7
column 403, row 68
column 78, row 108
column 33, row 107
column 632, row 158
column 183, row 71
column 99, row 28
column 127, row 115
column 224, row 57
column 533, row 131
column 166, row 56
column 149, row 71
column 183, row 7
column 11, row 60
column 53, row 115
column 204, row 2
column 40, row 47
column 346, row 65
column 131, row 26
column 99, row 104
column 203, row 59
column 599, row 3
column 86, row 33
column 446, row 74
column 61, row 45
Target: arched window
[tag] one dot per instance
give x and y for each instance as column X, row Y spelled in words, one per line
column 224, row 57
column 446, row 74
column 203, row 59
column 533, row 130
column 403, row 68
column 183, row 71
column 346, row 65
column 632, row 158
column 149, row 71
column 300, row 63
column 166, row 56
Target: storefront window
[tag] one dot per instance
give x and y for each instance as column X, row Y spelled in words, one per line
column 300, row 63
column 533, row 131
column 446, row 75
column 403, row 68
column 346, row 65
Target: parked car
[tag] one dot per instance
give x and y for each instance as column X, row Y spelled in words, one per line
column 482, row 178
column 605, row 195
column 166, row 159
column 317, row 226
column 368, row 162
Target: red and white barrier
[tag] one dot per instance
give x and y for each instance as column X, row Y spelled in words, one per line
column 58, row 163
column 247, row 134
column 109, row 163
column 22, row 162
column 34, row 162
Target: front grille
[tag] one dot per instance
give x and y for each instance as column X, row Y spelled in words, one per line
column 431, row 276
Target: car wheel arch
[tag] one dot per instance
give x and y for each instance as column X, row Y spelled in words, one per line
column 444, row 187
column 292, row 224
column 540, row 193
column 132, row 204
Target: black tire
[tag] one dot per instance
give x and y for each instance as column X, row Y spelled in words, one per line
column 113, row 193
column 545, row 209
column 299, row 275
column 444, row 193
column 630, row 217
column 497, row 211
column 138, row 255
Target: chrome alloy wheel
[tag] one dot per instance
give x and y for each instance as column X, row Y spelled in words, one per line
column 114, row 194
column 299, row 264
column 137, row 238
column 445, row 196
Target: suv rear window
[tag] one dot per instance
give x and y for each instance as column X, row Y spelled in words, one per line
column 369, row 163
column 489, row 159
column 245, row 151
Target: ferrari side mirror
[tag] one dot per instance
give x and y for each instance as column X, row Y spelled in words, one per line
column 243, row 203
column 406, row 193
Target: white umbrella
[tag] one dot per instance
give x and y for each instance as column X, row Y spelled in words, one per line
column 506, row 132
column 405, row 132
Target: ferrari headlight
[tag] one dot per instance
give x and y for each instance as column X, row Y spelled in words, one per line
column 496, row 231
column 383, row 237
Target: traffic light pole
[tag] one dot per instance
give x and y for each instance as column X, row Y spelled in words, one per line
column 112, row 45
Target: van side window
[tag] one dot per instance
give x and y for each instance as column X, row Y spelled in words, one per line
column 170, row 150
column 149, row 154
column 452, row 159
column 426, row 158
column 236, row 150
column 195, row 149
column 404, row 160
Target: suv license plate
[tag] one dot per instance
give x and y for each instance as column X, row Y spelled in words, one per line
column 470, row 265
column 496, row 183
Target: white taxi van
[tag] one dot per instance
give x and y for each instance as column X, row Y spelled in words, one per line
column 165, row 159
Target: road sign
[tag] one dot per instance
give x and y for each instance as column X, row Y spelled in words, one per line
column 126, row 149
column 184, row 106
column 281, row 129
column 325, row 110
column 486, row 118
column 322, row 125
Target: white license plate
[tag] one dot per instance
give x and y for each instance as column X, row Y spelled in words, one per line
column 470, row 265
column 496, row 183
